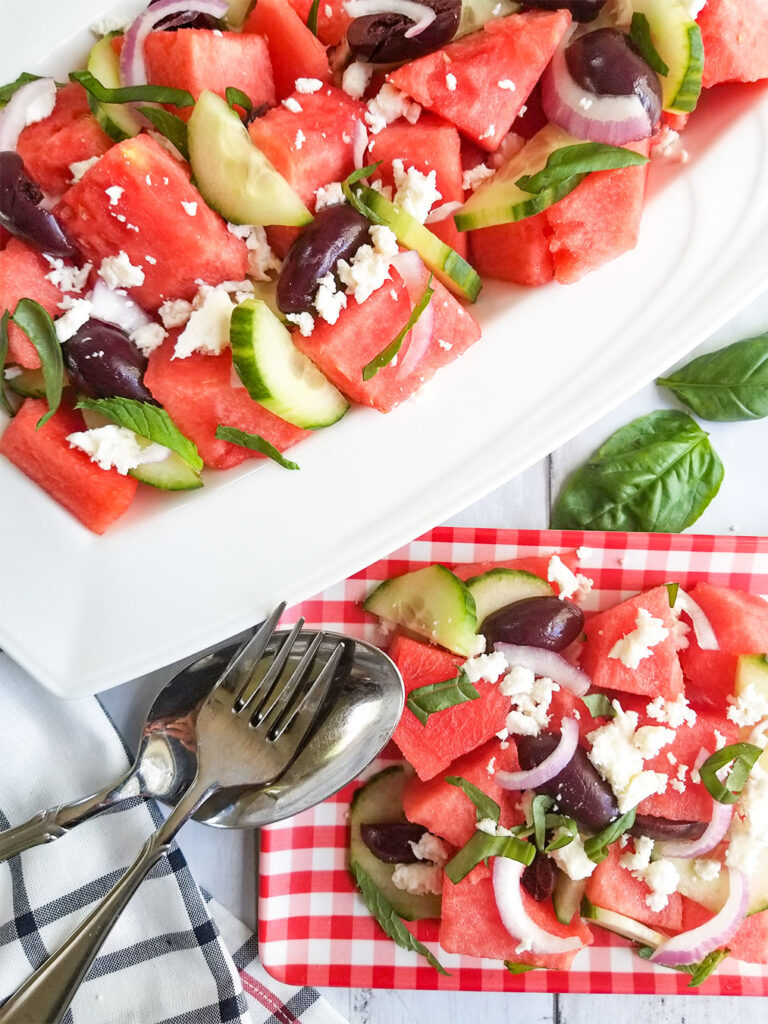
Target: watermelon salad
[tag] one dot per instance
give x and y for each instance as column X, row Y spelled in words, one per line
column 237, row 220
column 566, row 771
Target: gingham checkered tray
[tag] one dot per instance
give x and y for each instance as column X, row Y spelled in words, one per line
column 315, row 929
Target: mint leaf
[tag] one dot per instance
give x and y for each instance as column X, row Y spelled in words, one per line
column 484, row 806
column 312, row 17
column 238, row 97
column 4, row 400
column 148, row 421
column 132, row 93
column 385, row 914
column 388, row 354
column 255, row 443
column 725, row 386
column 571, row 162
column 482, row 846
column 427, row 700
column 38, row 327
column 596, row 848
column 169, row 125
column 640, row 34
column 743, row 757
column 599, row 705
column 701, row 971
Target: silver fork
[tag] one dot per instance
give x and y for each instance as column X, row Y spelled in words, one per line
column 248, row 731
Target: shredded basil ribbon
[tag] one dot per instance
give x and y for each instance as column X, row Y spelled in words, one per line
column 596, row 847
column 598, row 705
column 672, row 590
column 572, row 163
column 238, row 97
column 743, row 756
column 699, row 972
column 255, row 443
column 4, row 400
column 170, row 125
column 132, row 93
column 484, row 806
column 482, row 846
column 388, row 354
column 427, row 700
column 38, row 327
column 312, row 17
column 353, row 196
column 7, row 91
column 514, row 968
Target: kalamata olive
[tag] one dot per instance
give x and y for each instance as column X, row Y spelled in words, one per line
column 21, row 214
column 187, row 19
column 391, row 841
column 539, row 877
column 581, row 10
column 381, row 39
column 534, row 622
column 666, row 828
column 337, row 232
column 103, row 362
column 578, row 790
column 605, row 62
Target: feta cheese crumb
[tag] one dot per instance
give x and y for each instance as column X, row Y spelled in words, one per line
column 641, row 857
column 489, row 132
column 450, row 82
column 706, row 869
column 631, row 649
column 475, row 176
column 387, row 105
column 79, row 167
column 207, row 329
column 78, row 312
column 570, row 585
column 489, row 826
column 328, row 301
column 355, row 79
column 571, row 858
column 110, row 23
column 261, row 259
column 42, row 106
column 507, row 83
column 418, row 879
column 431, row 848
column 119, row 272
column 369, row 268
column 531, row 699
column 308, row 85
column 719, row 739
column 175, row 313
column 415, row 192
column 662, row 878
column 148, row 337
column 671, row 712
column 114, row 192
column 67, row 279
column 113, row 447
column 485, row 666
column 749, row 707
column 328, row 195
column 491, row 766
column 618, row 751
column 293, row 105
column 303, row 321
column 189, row 208
column 301, row 138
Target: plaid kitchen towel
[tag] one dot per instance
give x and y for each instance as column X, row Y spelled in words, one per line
column 166, row 959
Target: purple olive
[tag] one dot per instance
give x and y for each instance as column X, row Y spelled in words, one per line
column 21, row 213
column 581, row 10
column 578, row 789
column 539, row 877
column 186, row 19
column 605, row 62
column 337, row 232
column 666, row 828
column 381, row 39
column 391, row 841
column 103, row 362
column 545, row 622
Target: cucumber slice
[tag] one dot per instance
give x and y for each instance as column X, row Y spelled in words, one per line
column 238, row 12
column 567, row 897
column 624, row 926
column 475, row 13
column 234, row 177
column 751, row 670
column 499, row 587
column 677, row 39
column 381, row 800
column 433, row 603
column 276, row 374
column 453, row 270
column 713, row 894
column 116, row 119
column 30, row 383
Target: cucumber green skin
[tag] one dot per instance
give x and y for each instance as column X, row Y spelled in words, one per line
column 688, row 93
column 567, row 897
column 500, row 211
column 627, row 927
column 499, row 587
column 452, row 270
column 380, row 800
column 116, row 119
column 172, row 474
column 681, row 87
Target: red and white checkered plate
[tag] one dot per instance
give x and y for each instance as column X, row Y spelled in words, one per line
column 313, row 926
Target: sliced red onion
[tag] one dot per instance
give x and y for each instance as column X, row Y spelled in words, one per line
column 547, row 663
column 133, row 70
column 691, row 946
column 714, row 833
column 422, row 15
column 117, row 308
column 551, row 766
column 442, row 212
column 359, row 143
column 19, row 111
column 610, row 119
column 411, row 269
column 702, row 627
column 508, row 893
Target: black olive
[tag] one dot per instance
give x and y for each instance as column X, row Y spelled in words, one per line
column 381, row 39
column 21, row 213
column 545, row 622
column 103, row 362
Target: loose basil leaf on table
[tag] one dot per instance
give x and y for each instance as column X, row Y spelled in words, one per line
column 38, row 327
column 727, row 385
column 427, row 700
column 148, row 421
column 658, row 473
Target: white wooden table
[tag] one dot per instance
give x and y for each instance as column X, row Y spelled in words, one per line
column 225, row 862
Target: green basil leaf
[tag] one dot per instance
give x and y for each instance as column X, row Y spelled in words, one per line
column 427, row 700
column 169, row 125
column 255, row 443
column 539, row 807
column 482, row 846
column 596, row 847
column 4, row 400
column 644, row 952
column 238, row 97
column 385, row 914
column 148, row 421
column 514, row 968
column 132, row 93
column 484, row 806
column 7, row 91
column 571, row 832
column 744, row 756
column 599, row 705
column 728, row 385
column 312, row 17
column 360, row 173
column 385, row 357
column 640, row 34
column 658, row 473
column 672, row 590
column 38, row 327
column 583, row 158
column 699, row 972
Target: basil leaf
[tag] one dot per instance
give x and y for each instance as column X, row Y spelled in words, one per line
column 237, row 96
column 7, row 91
column 427, row 700
column 255, row 443
column 699, row 972
column 482, row 846
column 354, row 195
column 727, row 385
column 148, row 421
column 640, row 34
column 583, row 158
column 132, row 93
column 539, row 807
column 385, row 914
column 599, row 705
column 385, row 357
column 4, row 400
column 169, row 125
column 571, row 832
column 38, row 327
column 658, row 473
column 312, row 17
column 743, row 756
column 360, row 173
column 596, row 847
column 672, row 590
column 514, row 968
column 484, row 806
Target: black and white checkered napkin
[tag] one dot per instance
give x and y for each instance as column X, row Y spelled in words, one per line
column 174, row 956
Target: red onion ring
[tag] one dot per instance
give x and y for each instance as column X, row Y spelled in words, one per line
column 117, row 308
column 550, row 767
column 442, row 212
column 133, row 70
column 702, row 627
column 411, row 269
column 610, row 119
column 507, row 891
column 547, row 663
column 691, row 946
column 715, row 832
column 13, row 116
column 422, row 15
column 359, row 144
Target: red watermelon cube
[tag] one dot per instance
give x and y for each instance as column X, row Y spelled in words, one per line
column 615, row 888
column 734, row 34
column 332, row 19
column 294, row 51
column 22, row 273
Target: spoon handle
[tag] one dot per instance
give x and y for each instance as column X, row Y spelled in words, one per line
column 46, row 994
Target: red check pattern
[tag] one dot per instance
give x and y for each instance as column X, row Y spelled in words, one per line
column 315, row 929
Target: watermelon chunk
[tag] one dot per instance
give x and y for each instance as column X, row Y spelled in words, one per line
column 198, row 59
column 613, row 887
column 342, row 350
column 657, row 675
column 512, row 50
column 199, row 395
column 294, row 51
column 517, row 252
column 750, row 943
column 176, row 246
column 332, row 19
column 22, row 273
column 96, row 496
column 69, row 135
column 734, row 34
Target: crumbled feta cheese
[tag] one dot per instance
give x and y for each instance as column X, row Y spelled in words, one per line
column 485, row 666
column 571, row 858
column 518, row 680
column 308, row 85
column 418, row 879
column 355, row 79
column 110, row 23
column 662, row 878
column 749, row 707
column 387, row 105
column 78, row 312
column 415, row 192
column 446, row 345
column 207, row 329
column 301, row 138
column 570, row 585
column 328, row 195
column 293, row 105
column 43, row 104
column 450, row 82
column 507, row 83
column 12, row 372
column 679, row 631
column 261, row 259
column 631, row 649
column 649, row 739
column 671, row 712
column 369, row 268
column 79, row 167
column 328, row 11
column 148, row 337
column 475, row 176
column 706, row 869
column 119, row 272
column 491, row 766
column 489, row 826
column 694, row 7
column 380, row 187
column 67, row 279
column 669, row 146
column 113, row 447
column 303, row 321
column 619, row 758
column 430, row 848
column 641, row 858
column 489, row 132
column 114, row 192
column 328, row 301
column 719, row 739
column 531, row 698
column 175, row 313
column 189, row 208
